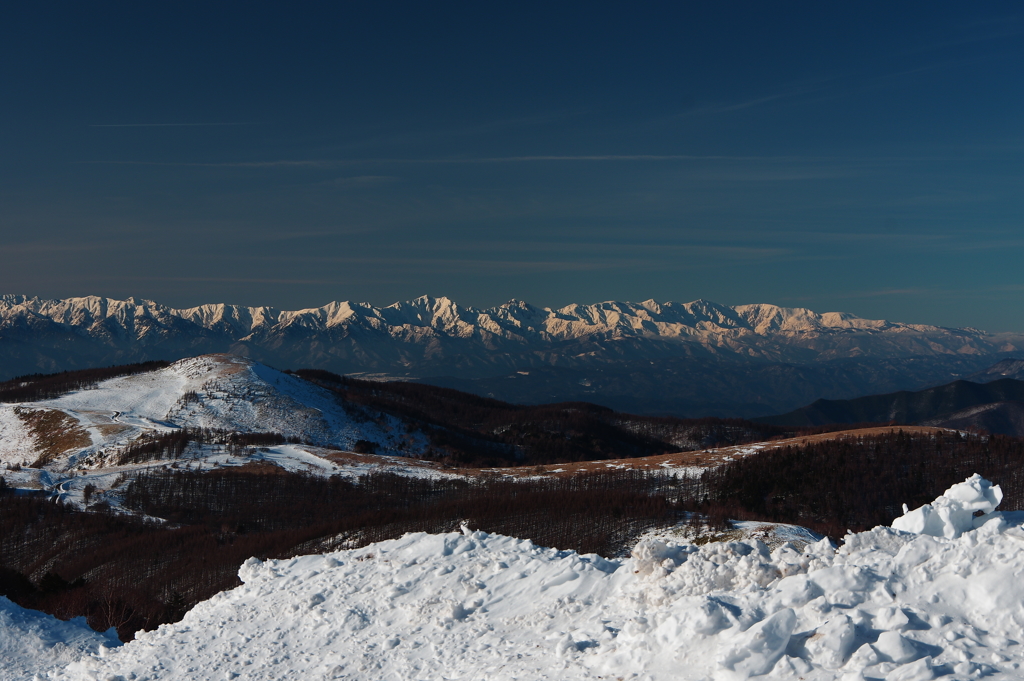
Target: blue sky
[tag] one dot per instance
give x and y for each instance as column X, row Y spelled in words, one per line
column 865, row 157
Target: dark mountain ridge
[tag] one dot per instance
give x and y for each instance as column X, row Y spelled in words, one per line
column 1007, row 368
column 997, row 407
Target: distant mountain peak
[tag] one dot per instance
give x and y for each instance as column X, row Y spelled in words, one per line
column 758, row 317
column 435, row 335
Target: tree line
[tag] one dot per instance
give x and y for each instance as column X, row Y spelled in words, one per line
column 130, row 573
column 470, row 430
column 173, row 444
column 35, row 387
column 856, row 483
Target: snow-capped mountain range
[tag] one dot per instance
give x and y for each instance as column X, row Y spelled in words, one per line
column 686, row 359
column 436, row 335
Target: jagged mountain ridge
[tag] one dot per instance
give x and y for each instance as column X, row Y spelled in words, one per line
column 515, row 320
column 685, row 359
column 425, row 335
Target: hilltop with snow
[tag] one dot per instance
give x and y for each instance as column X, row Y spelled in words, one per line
column 81, row 438
column 935, row 596
column 224, row 412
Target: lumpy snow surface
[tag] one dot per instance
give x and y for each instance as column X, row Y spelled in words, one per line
column 33, row 644
column 952, row 514
column 889, row 604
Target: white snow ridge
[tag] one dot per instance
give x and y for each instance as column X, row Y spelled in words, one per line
column 889, row 604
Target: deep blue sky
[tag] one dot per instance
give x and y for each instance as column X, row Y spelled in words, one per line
column 865, row 157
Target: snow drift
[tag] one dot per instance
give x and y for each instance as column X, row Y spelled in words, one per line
column 32, row 643
column 952, row 514
column 890, row 603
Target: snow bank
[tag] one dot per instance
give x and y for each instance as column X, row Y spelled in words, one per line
column 33, row 643
column 889, row 604
column 952, row 514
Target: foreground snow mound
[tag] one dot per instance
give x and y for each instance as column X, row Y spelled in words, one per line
column 32, row 643
column 952, row 514
column 889, row 604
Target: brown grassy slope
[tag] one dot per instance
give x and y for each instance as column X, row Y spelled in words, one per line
column 54, row 433
column 707, row 458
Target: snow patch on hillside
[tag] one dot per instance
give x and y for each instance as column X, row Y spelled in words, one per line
column 888, row 604
column 213, row 391
column 16, row 442
column 140, row 400
column 217, row 392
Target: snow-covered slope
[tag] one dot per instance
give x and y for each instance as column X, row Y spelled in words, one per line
column 1007, row 368
column 894, row 604
column 222, row 392
column 33, row 644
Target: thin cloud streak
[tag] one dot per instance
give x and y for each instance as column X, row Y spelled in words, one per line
column 233, row 164
column 610, row 248
column 328, row 163
column 49, row 247
column 604, row 157
column 168, row 125
column 240, row 280
column 466, row 264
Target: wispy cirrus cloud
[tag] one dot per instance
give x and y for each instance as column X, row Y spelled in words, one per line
column 226, row 164
column 478, row 265
column 328, row 163
column 359, row 181
column 611, row 248
column 855, row 161
column 169, row 125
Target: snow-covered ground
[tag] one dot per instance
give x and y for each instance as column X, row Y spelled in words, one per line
column 290, row 458
column 942, row 601
column 221, row 392
column 33, row 644
column 771, row 535
column 16, row 443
